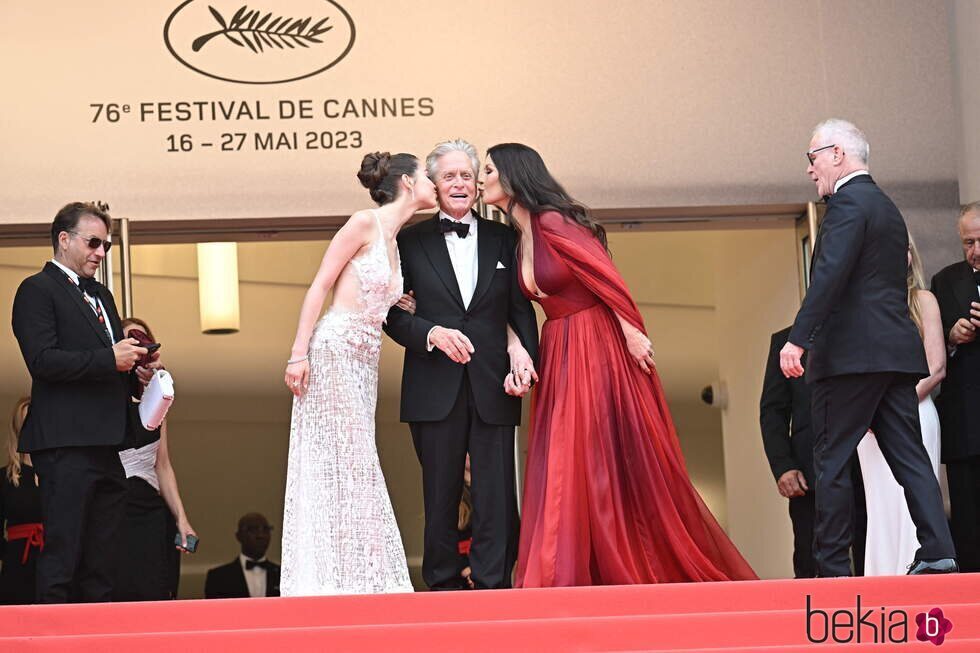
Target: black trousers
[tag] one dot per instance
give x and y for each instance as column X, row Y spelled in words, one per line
column 844, row 408
column 442, row 448
column 147, row 566
column 964, row 503
column 83, row 494
column 802, row 513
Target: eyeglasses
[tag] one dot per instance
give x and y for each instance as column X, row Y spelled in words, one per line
column 810, row 156
column 95, row 243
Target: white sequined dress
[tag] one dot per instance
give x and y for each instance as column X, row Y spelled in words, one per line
column 339, row 530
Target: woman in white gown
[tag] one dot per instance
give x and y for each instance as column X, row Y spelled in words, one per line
column 339, row 530
column 891, row 543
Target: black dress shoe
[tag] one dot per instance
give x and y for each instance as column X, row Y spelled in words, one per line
column 941, row 566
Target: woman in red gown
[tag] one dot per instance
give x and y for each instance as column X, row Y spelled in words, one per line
column 607, row 497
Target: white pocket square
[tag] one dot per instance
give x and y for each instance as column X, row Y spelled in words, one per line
column 501, row 266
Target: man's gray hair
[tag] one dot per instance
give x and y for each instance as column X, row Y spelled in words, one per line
column 972, row 207
column 846, row 136
column 455, row 145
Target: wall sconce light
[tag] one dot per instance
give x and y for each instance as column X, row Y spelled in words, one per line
column 217, row 284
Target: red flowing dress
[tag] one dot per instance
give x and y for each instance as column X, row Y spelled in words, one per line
column 607, row 498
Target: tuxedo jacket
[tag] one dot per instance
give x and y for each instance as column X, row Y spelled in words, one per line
column 228, row 581
column 77, row 396
column 959, row 398
column 784, row 416
column 855, row 317
column 430, row 380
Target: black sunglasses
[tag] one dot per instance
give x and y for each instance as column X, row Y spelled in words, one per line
column 811, row 155
column 94, row 243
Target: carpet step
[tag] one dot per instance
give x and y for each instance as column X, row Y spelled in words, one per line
column 502, row 605
column 719, row 631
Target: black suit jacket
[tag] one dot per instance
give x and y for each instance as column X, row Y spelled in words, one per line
column 959, row 398
column 77, row 396
column 228, row 581
column 855, row 317
column 430, row 380
column 784, row 415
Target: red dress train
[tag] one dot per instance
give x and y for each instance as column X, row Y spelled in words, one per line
column 607, row 498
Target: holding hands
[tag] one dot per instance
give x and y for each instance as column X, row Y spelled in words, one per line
column 522, row 374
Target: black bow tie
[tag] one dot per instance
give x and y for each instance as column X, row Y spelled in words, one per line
column 89, row 285
column 251, row 564
column 461, row 228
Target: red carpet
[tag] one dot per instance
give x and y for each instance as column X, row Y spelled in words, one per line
column 746, row 616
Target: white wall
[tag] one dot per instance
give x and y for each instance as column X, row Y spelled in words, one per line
column 758, row 294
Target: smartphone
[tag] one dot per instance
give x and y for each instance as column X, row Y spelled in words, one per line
column 151, row 347
column 191, row 543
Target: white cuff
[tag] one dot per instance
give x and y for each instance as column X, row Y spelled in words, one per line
column 428, row 339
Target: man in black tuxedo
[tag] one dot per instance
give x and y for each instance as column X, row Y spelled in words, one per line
column 250, row 574
column 866, row 354
column 69, row 334
column 787, row 437
column 956, row 289
column 459, row 352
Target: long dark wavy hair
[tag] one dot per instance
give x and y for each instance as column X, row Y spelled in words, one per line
column 526, row 179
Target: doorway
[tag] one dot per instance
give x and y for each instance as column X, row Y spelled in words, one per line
column 712, row 284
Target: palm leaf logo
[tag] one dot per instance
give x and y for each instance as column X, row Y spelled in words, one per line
column 249, row 28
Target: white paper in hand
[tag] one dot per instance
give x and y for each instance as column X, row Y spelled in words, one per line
column 157, row 397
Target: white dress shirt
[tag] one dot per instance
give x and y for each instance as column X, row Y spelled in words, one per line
column 89, row 299
column 462, row 254
column 256, row 578
column 846, row 178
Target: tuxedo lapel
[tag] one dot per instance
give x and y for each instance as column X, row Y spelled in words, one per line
column 434, row 246
column 272, row 581
column 488, row 253
column 109, row 309
column 68, row 286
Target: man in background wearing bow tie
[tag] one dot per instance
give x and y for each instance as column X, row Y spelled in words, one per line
column 250, row 574
column 464, row 371
column 956, row 289
column 69, row 334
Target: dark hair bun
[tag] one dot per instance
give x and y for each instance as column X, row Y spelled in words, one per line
column 374, row 169
column 380, row 172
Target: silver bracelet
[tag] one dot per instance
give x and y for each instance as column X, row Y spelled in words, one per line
column 297, row 360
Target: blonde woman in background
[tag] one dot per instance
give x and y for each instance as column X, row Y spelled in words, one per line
column 20, row 518
column 891, row 540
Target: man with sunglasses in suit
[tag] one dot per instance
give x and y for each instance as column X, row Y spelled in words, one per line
column 81, row 370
